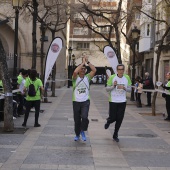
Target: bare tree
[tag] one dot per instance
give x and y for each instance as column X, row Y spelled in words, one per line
column 162, row 44
column 8, row 104
column 101, row 19
column 52, row 15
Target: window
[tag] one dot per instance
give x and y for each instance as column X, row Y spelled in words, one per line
column 80, row 31
column 84, row 45
column 79, row 16
column 148, row 30
column 137, row 16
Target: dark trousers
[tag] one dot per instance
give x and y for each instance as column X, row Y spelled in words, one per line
column 168, row 105
column 29, row 105
column 139, row 99
column 116, row 114
column 136, row 96
column 149, row 98
column 21, row 104
column 81, row 110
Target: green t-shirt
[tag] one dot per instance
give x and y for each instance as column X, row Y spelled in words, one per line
column 168, row 85
column 1, row 86
column 37, row 83
column 19, row 81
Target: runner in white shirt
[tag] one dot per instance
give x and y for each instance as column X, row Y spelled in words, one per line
column 117, row 86
column 81, row 98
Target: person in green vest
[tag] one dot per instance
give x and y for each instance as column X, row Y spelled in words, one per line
column 167, row 98
column 1, row 85
column 20, row 95
column 117, row 86
column 33, row 100
column 81, row 97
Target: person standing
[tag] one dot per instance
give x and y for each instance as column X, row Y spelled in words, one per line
column 148, row 84
column 33, row 101
column 167, row 98
column 139, row 91
column 21, row 81
column 81, row 98
column 117, row 86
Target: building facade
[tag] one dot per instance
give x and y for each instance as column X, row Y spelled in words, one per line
column 24, row 59
column 84, row 41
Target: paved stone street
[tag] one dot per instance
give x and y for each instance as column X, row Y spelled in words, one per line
column 144, row 139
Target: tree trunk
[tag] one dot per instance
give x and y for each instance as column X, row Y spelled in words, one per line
column 8, row 104
column 117, row 31
column 160, row 48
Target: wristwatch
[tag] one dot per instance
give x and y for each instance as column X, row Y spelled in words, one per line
column 88, row 62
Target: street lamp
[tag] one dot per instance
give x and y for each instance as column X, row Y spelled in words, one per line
column 73, row 59
column 135, row 35
column 17, row 4
column 69, row 52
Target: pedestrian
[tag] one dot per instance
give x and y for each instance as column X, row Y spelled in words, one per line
column 136, row 91
column 81, row 98
column 20, row 94
column 167, row 98
column 34, row 88
column 148, row 84
column 117, row 85
column 139, row 91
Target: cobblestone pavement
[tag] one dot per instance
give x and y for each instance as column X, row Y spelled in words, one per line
column 144, row 139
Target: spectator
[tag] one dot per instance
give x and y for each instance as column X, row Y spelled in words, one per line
column 33, row 101
column 21, row 81
column 136, row 91
column 167, row 98
column 139, row 91
column 148, row 84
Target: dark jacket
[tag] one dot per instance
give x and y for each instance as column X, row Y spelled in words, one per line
column 148, row 83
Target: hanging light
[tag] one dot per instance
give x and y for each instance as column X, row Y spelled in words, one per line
column 135, row 33
column 17, row 3
column 70, row 50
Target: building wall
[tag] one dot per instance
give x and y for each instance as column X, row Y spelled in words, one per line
column 25, row 44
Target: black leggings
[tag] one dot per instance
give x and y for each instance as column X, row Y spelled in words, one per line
column 29, row 105
column 116, row 114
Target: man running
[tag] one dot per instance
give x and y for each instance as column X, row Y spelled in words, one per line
column 117, row 85
column 81, row 98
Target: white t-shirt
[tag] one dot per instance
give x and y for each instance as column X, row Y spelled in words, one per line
column 21, row 86
column 81, row 88
column 118, row 95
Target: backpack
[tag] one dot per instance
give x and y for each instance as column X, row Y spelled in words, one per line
column 31, row 90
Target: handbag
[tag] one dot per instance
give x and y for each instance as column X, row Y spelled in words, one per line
column 164, row 95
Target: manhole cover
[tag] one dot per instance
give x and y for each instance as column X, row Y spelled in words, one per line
column 146, row 135
column 16, row 131
column 94, row 120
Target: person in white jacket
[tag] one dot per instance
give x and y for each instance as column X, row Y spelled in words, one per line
column 139, row 91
